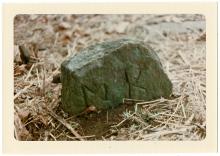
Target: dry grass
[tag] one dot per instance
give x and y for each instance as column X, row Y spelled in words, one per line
column 50, row 39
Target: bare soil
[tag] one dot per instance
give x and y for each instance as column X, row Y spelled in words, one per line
column 180, row 42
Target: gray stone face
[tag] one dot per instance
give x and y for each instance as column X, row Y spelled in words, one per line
column 103, row 74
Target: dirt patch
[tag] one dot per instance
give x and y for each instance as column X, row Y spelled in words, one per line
column 99, row 123
column 180, row 42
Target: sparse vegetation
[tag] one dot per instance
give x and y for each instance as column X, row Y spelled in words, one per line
column 179, row 40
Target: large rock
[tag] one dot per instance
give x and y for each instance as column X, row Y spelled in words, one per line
column 103, row 74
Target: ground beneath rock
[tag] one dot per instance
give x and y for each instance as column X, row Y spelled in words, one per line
column 180, row 42
column 99, row 124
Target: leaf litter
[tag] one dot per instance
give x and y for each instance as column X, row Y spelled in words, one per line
column 180, row 43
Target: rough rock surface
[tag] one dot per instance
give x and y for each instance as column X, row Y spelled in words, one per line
column 103, row 74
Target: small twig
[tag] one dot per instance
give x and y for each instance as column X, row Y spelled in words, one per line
column 43, row 83
column 103, row 138
column 177, row 107
column 107, row 116
column 38, row 79
column 183, row 109
column 51, row 76
column 139, row 121
column 18, row 126
column 67, row 125
column 177, row 116
column 28, row 75
column 183, row 58
column 161, row 100
column 125, row 100
column 23, row 90
column 149, row 102
column 113, row 132
column 31, row 120
column 201, row 127
column 120, row 123
column 188, row 122
column 55, row 41
column 53, row 136
column 165, row 123
column 157, row 114
column 138, row 131
column 62, row 121
column 162, row 133
column 89, row 136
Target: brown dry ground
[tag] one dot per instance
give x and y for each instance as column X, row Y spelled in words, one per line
column 180, row 43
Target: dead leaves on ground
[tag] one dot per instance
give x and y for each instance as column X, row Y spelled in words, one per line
column 49, row 39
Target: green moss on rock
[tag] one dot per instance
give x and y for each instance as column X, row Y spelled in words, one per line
column 103, row 74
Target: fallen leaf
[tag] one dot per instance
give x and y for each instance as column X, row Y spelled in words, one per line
column 202, row 37
column 23, row 114
column 21, row 133
column 19, row 70
column 43, row 119
column 64, row 26
column 121, row 27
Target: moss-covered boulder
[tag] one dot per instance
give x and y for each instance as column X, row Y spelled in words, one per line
column 103, row 74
